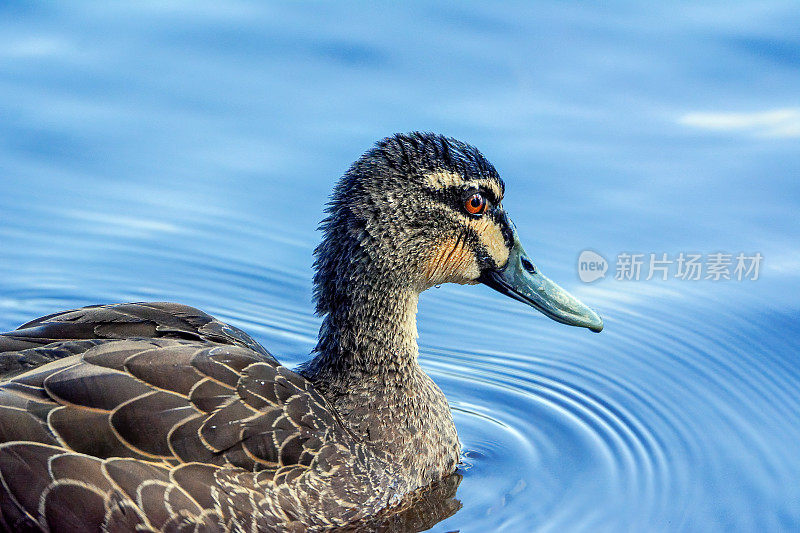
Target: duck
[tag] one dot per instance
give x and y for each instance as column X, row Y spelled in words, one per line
column 158, row 417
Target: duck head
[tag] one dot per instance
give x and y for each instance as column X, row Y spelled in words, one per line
column 420, row 210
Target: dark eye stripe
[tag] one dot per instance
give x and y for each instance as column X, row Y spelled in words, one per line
column 454, row 196
column 471, row 237
column 498, row 216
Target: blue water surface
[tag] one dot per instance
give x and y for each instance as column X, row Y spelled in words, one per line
column 183, row 151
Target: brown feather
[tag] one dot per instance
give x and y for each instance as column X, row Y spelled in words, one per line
column 69, row 466
column 72, row 506
column 25, row 475
column 89, row 431
column 186, row 444
column 208, row 395
column 146, row 421
column 93, row 387
column 223, row 429
column 169, row 371
column 129, row 474
column 20, row 424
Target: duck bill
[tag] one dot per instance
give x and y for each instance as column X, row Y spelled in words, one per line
column 521, row 280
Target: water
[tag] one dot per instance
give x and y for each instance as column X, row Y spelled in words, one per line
column 183, row 151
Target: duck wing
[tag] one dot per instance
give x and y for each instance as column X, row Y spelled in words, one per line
column 160, row 320
column 188, row 422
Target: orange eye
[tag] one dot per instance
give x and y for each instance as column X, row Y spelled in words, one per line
column 475, row 204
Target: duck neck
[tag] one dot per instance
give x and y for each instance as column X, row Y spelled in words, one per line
column 366, row 366
column 366, row 359
column 368, row 339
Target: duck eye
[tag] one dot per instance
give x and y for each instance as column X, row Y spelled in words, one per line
column 475, row 204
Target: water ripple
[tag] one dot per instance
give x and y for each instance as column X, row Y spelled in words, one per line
column 560, row 431
column 653, row 417
column 196, row 173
